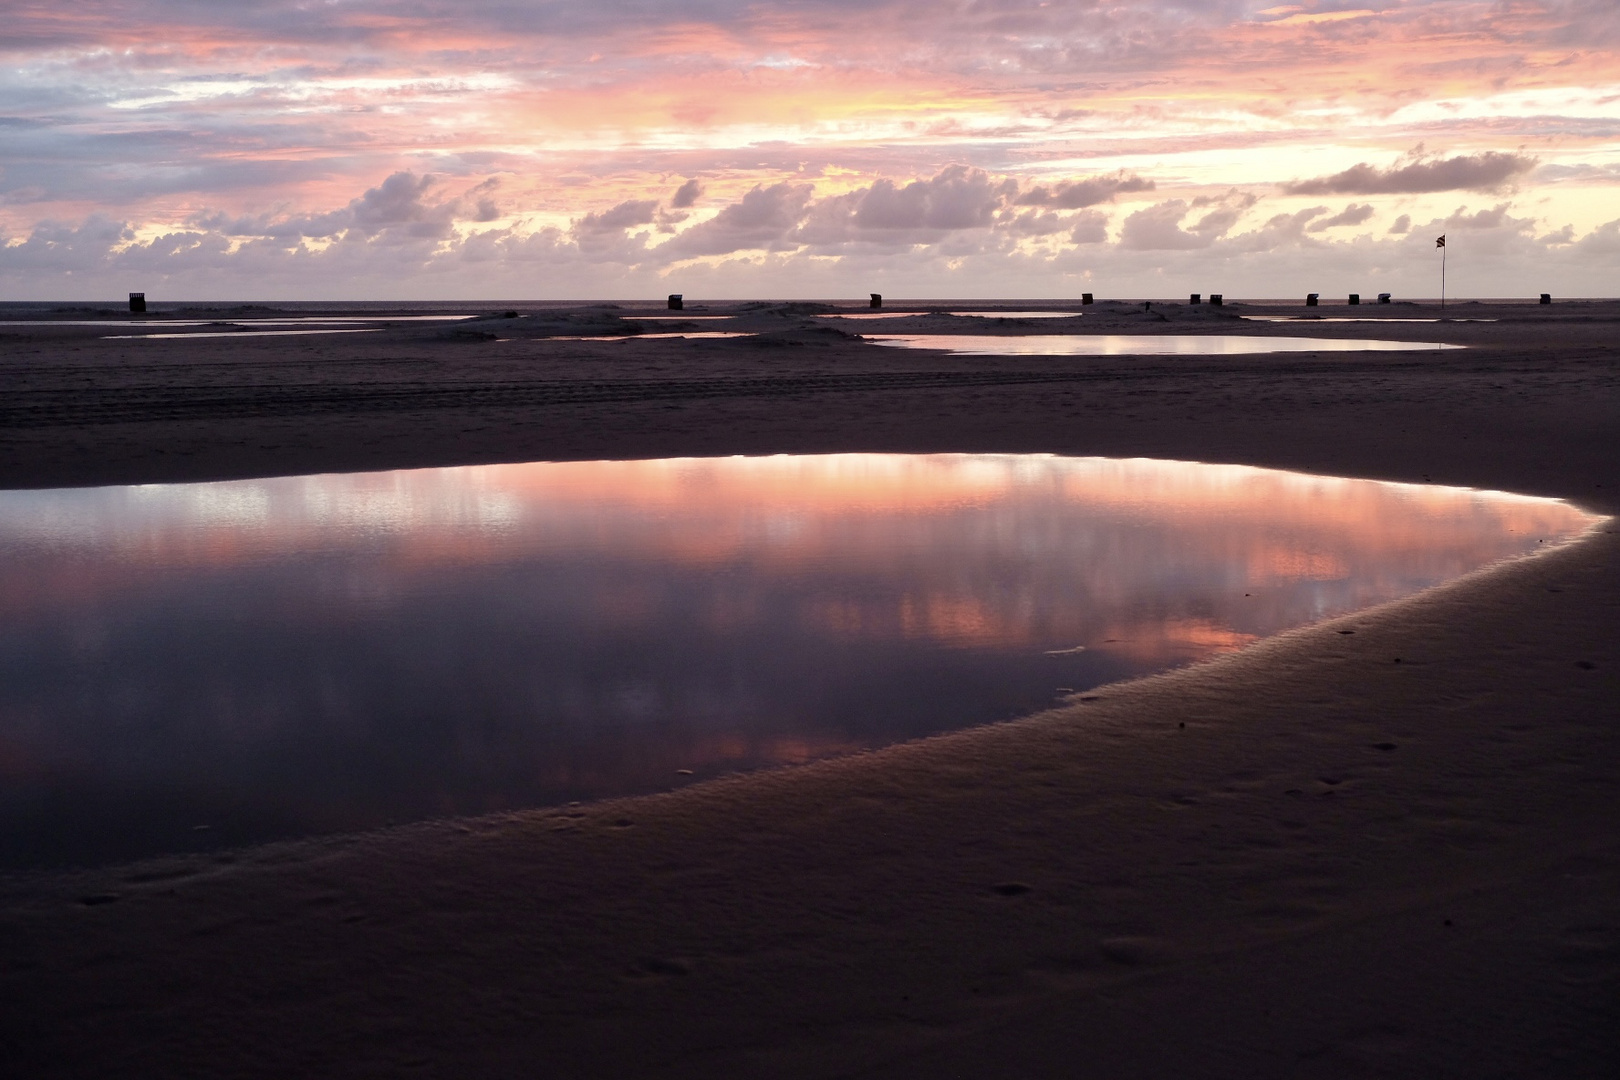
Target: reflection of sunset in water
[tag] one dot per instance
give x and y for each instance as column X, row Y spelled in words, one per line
column 314, row 653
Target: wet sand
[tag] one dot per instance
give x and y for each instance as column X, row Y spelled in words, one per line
column 1389, row 852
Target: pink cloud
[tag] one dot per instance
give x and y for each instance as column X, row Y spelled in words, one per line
column 915, row 134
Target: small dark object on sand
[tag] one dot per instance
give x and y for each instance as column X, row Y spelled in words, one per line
column 1086, row 298
column 1311, row 299
column 1355, row 298
column 658, row 965
column 1546, row 298
column 1215, row 299
column 675, row 302
column 1196, row 298
column 137, row 302
column 877, row 300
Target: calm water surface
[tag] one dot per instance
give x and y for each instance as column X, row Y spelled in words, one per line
column 1043, row 314
column 1140, row 344
column 196, row 665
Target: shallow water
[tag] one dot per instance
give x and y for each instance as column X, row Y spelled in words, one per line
column 1140, row 344
column 186, row 666
column 246, row 333
column 1016, row 314
column 700, row 335
column 1043, row 314
column 158, row 323
column 1350, row 318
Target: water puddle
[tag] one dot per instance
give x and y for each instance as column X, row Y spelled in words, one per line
column 186, row 666
column 243, row 333
column 1140, row 344
column 287, row 321
column 1016, row 314
column 1349, row 318
column 958, row 314
column 698, row 334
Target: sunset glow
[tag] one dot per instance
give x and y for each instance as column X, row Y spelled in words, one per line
column 463, row 640
column 418, row 149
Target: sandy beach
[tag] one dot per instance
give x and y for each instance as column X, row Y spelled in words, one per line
column 1378, row 846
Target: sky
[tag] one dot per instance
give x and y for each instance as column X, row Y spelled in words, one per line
column 624, row 149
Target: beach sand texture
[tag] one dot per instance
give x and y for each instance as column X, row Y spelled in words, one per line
column 1388, row 852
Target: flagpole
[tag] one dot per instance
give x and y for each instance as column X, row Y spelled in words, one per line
column 1440, row 242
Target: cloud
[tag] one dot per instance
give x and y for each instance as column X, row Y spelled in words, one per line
column 959, row 197
column 1496, row 217
column 955, row 202
column 57, row 246
column 396, row 201
column 1035, row 223
column 1488, row 171
column 1158, row 228
column 1351, row 215
column 760, row 220
column 398, row 208
column 626, row 215
column 686, row 195
column 1582, row 171
column 1072, row 195
column 281, row 117
column 956, row 198
column 1090, row 227
column 958, row 231
column 1228, row 209
column 1603, row 240
column 1279, row 231
column 1402, row 225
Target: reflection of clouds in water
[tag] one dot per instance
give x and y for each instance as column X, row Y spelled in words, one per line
column 778, row 498
column 1170, row 640
column 1141, row 344
column 337, row 650
column 207, row 505
column 401, row 503
column 975, row 548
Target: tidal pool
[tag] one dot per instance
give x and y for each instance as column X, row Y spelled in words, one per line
column 186, row 666
column 161, row 322
column 1139, row 344
column 242, row 333
column 1349, row 318
column 1043, row 314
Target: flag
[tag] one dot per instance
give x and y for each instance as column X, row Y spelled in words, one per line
column 1441, row 242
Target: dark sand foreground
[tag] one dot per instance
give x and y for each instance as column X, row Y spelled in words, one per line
column 1391, row 852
